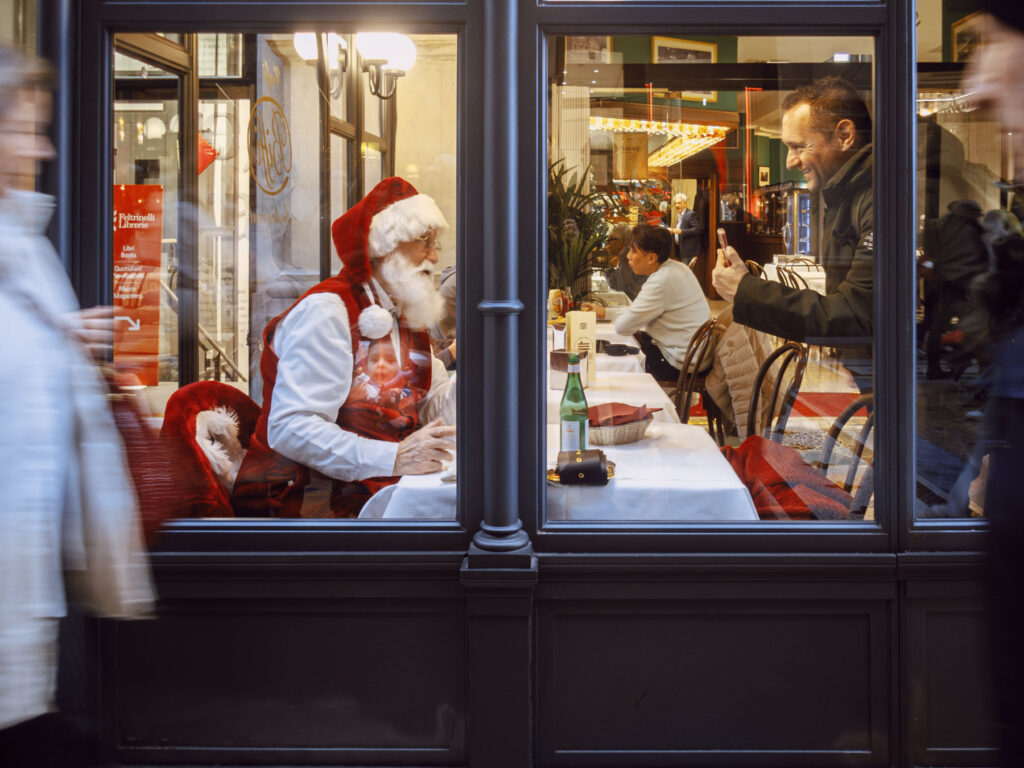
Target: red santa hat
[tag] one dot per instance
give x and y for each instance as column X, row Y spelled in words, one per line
column 392, row 213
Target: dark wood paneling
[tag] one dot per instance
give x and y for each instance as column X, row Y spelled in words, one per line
column 714, row 683
column 352, row 681
column 947, row 674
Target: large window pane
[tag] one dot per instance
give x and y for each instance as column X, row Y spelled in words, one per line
column 653, row 148
column 266, row 189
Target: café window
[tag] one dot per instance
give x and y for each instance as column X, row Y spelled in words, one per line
column 965, row 172
column 736, row 395
column 233, row 154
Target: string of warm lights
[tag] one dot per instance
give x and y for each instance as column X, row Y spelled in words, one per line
column 682, row 147
column 686, row 138
column 655, row 127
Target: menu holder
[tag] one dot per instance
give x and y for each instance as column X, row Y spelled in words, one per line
column 581, row 337
column 558, row 368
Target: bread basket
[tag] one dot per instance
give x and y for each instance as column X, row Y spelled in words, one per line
column 620, row 433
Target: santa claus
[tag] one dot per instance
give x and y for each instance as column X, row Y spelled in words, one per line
column 349, row 381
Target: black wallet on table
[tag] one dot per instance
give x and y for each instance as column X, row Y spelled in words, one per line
column 582, row 468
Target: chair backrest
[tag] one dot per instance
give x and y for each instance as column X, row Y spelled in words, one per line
column 804, row 261
column 855, row 441
column 789, row 373
column 697, row 360
column 754, row 268
column 792, row 278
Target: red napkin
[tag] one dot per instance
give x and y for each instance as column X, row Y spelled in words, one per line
column 614, row 414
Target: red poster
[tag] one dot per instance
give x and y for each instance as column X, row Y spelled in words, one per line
column 138, row 229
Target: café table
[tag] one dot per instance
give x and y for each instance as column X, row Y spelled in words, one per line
column 674, row 473
column 814, row 275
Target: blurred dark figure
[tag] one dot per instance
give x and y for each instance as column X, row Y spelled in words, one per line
column 69, row 525
column 621, row 277
column 994, row 79
column 442, row 333
column 953, row 245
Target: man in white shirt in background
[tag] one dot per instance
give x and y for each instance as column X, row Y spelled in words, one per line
column 669, row 308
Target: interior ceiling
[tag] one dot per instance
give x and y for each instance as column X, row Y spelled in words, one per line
column 820, row 48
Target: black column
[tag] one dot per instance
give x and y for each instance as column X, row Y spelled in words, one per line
column 501, row 530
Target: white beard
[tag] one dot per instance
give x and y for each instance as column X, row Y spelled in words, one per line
column 411, row 288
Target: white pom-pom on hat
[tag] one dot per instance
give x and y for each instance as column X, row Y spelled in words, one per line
column 402, row 222
column 375, row 322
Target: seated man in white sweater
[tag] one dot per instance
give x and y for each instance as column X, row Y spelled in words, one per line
column 670, row 306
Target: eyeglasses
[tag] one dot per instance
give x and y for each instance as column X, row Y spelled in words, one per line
column 429, row 243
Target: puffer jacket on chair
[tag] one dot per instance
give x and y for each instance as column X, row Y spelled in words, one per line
column 737, row 358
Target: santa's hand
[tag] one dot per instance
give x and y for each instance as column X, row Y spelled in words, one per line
column 423, row 451
column 728, row 272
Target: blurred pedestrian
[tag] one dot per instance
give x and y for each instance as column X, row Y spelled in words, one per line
column 68, row 521
column 993, row 79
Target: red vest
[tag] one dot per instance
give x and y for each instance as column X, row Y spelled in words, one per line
column 382, row 404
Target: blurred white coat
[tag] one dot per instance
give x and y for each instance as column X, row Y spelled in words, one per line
column 67, row 506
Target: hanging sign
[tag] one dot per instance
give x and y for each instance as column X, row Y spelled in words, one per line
column 138, row 229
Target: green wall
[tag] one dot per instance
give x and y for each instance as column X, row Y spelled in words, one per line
column 636, row 49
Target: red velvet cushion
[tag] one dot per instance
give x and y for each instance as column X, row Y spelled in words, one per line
column 202, row 492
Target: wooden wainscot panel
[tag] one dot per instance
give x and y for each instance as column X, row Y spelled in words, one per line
column 948, row 675
column 699, row 682
column 306, row 681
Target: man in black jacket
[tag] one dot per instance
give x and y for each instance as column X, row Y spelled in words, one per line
column 827, row 129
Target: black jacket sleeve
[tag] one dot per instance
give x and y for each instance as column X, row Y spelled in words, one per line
column 843, row 315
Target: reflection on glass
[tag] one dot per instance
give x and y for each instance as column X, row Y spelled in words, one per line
column 220, row 55
column 341, row 184
column 713, row 391
column 965, row 168
column 147, row 245
column 261, row 225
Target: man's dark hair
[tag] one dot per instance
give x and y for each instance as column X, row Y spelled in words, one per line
column 657, row 240
column 832, row 100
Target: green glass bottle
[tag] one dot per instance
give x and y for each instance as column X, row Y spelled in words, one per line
column 572, row 412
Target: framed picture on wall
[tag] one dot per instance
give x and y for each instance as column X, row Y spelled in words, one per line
column 965, row 34
column 763, row 179
column 588, row 50
column 672, row 50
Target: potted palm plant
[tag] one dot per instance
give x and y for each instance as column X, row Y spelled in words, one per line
column 576, row 232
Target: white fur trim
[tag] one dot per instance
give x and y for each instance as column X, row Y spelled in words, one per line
column 402, row 222
column 217, row 435
column 375, row 322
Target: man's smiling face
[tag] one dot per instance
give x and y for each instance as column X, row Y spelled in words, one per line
column 817, row 155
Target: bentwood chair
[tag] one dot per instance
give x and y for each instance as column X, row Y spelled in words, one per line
column 792, row 278
column 786, row 366
column 803, row 261
column 693, row 375
column 856, row 442
column 754, row 268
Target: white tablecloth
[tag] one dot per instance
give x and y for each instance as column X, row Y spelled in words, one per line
column 621, row 387
column 675, row 472
column 814, row 276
